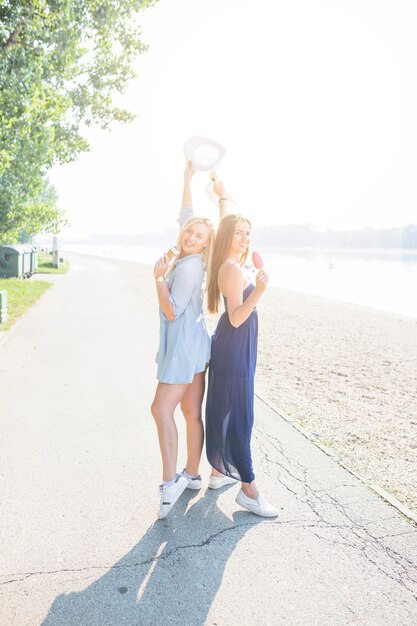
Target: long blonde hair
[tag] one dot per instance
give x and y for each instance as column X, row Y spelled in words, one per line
column 208, row 250
column 221, row 251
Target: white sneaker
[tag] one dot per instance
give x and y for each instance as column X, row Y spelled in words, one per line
column 258, row 505
column 194, row 482
column 215, row 482
column 169, row 495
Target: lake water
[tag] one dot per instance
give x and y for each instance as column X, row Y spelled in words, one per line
column 381, row 279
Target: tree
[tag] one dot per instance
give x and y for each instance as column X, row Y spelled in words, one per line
column 61, row 63
column 409, row 236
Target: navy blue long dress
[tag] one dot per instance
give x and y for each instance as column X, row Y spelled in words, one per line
column 230, row 396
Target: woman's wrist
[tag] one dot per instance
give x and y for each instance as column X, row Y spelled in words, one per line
column 159, row 272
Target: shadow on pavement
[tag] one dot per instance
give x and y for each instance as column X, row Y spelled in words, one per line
column 170, row 577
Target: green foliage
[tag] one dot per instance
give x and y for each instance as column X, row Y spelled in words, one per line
column 21, row 294
column 33, row 214
column 45, row 265
column 61, row 63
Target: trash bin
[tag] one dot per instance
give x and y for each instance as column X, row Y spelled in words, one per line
column 27, row 260
column 11, row 261
column 34, row 260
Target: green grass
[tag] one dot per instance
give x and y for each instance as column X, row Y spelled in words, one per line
column 45, row 265
column 21, row 294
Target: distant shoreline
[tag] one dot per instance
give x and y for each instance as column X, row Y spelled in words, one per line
column 280, row 235
column 352, row 278
column 368, row 251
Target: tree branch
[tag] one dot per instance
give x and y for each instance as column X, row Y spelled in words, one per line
column 12, row 40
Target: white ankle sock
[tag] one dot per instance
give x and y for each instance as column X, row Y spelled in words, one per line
column 189, row 476
column 168, row 483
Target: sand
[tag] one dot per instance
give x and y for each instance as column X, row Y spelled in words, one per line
column 348, row 374
column 344, row 372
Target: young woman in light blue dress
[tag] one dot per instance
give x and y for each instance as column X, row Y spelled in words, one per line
column 184, row 349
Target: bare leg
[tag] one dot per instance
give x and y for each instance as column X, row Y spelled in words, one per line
column 250, row 490
column 166, row 399
column 191, row 408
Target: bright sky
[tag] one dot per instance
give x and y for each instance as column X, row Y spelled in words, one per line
column 314, row 100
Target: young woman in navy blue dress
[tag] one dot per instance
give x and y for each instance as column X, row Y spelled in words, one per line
column 230, row 393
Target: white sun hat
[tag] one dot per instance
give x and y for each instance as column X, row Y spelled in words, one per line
column 204, row 154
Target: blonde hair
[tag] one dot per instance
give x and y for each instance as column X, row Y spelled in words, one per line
column 221, row 251
column 208, row 250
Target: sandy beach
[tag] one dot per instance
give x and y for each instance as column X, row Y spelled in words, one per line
column 348, row 374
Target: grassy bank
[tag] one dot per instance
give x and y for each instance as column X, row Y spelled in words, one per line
column 21, row 294
column 45, row 265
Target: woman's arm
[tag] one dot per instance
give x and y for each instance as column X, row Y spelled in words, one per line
column 187, row 199
column 220, row 190
column 231, row 285
column 188, row 277
column 162, row 289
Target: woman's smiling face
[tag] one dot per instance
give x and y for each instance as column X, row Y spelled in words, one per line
column 241, row 238
column 195, row 238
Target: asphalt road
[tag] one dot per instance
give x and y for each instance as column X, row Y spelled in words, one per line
column 79, row 470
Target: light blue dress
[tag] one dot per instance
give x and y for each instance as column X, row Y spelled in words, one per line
column 184, row 342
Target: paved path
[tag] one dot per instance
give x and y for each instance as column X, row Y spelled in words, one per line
column 79, row 470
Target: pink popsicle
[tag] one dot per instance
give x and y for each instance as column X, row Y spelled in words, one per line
column 257, row 260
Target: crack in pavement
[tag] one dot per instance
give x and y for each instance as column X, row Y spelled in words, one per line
column 296, row 523
column 164, row 555
column 301, row 481
column 353, row 533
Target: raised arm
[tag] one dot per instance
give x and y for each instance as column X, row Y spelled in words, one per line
column 187, row 199
column 220, row 190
